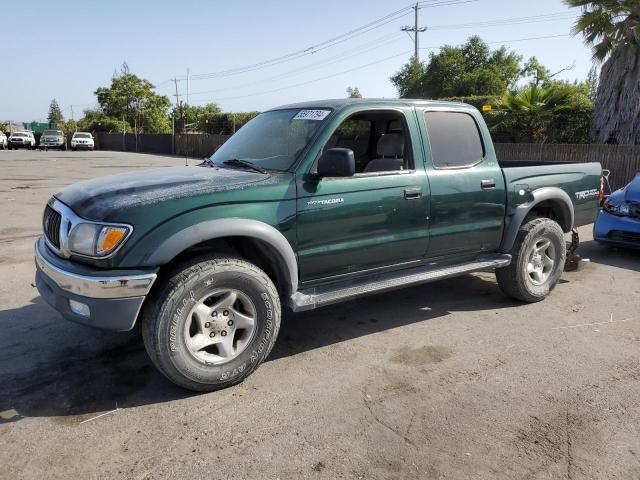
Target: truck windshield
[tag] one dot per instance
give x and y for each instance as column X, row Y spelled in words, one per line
column 273, row 140
column 52, row 132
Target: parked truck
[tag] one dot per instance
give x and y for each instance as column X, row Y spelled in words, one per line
column 307, row 205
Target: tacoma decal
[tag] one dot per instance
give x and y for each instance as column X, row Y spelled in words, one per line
column 329, row 201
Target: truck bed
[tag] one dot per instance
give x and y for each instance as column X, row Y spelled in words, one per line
column 581, row 181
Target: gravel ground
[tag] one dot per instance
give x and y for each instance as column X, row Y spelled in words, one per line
column 442, row 381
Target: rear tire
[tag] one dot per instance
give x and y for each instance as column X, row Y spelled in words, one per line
column 211, row 323
column 538, row 257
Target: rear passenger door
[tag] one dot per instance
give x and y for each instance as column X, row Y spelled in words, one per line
column 467, row 186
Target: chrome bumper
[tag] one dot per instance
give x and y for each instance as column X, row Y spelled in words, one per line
column 94, row 286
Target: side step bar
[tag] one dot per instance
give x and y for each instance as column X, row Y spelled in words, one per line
column 314, row 297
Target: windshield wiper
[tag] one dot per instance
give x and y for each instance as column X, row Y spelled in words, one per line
column 244, row 163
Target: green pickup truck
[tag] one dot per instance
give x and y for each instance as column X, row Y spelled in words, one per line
column 307, row 205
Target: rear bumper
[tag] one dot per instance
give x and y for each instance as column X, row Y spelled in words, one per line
column 624, row 231
column 113, row 301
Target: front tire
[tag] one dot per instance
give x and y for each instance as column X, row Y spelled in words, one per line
column 538, row 257
column 212, row 323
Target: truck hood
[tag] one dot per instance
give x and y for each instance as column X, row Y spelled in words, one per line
column 104, row 198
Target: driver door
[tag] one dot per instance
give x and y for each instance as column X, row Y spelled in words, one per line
column 375, row 219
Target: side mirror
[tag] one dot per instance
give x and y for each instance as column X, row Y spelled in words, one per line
column 337, row 162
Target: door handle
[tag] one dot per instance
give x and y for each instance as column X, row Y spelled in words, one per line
column 488, row 184
column 411, row 193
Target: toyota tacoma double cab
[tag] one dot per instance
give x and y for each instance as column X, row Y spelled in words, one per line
column 307, row 205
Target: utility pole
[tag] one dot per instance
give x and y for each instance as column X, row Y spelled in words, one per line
column 187, row 86
column 416, row 30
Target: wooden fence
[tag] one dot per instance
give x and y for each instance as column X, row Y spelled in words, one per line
column 622, row 160
column 198, row 145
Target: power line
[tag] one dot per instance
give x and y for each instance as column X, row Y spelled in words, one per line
column 316, row 79
column 512, row 40
column 330, row 42
column 305, row 68
column 368, row 65
column 510, row 21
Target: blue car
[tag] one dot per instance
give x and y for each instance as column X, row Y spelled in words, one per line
column 619, row 220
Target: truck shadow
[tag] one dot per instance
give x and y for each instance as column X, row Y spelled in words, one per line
column 53, row 368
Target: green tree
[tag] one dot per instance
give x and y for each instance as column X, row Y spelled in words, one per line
column 353, row 92
column 612, row 29
column 132, row 98
column 97, row 121
column 195, row 116
column 409, row 80
column 55, row 113
column 467, row 70
column 530, row 109
column 69, row 126
column 537, row 72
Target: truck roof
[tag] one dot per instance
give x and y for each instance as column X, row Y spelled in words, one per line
column 343, row 102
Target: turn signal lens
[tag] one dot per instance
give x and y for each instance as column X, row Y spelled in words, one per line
column 109, row 239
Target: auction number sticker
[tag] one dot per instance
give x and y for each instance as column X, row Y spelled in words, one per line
column 312, row 114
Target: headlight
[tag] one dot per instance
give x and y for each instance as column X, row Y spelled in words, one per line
column 616, row 208
column 95, row 240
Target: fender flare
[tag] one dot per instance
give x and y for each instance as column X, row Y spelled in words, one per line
column 559, row 196
column 229, row 227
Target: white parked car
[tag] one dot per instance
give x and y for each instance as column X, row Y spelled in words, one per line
column 82, row 140
column 3, row 141
column 22, row 140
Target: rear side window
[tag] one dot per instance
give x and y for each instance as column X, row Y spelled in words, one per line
column 454, row 139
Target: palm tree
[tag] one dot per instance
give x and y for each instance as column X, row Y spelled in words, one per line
column 530, row 109
column 612, row 29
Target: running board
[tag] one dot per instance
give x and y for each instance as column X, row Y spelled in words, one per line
column 314, row 297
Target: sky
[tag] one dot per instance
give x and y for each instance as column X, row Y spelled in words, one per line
column 67, row 50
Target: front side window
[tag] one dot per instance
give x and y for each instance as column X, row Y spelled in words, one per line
column 454, row 139
column 379, row 141
column 273, row 140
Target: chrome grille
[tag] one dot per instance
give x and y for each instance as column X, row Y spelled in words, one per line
column 51, row 225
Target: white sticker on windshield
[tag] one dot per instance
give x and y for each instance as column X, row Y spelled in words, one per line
column 312, row 115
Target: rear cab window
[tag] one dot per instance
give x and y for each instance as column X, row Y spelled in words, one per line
column 454, row 139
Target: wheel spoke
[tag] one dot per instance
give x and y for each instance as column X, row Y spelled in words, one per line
column 225, row 348
column 241, row 320
column 530, row 268
column 202, row 313
column 199, row 341
column 542, row 247
column 548, row 262
column 226, row 302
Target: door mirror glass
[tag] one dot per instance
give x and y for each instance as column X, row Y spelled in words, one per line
column 337, row 162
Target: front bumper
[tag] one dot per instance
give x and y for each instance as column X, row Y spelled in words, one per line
column 51, row 145
column 82, row 146
column 113, row 300
column 624, row 231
